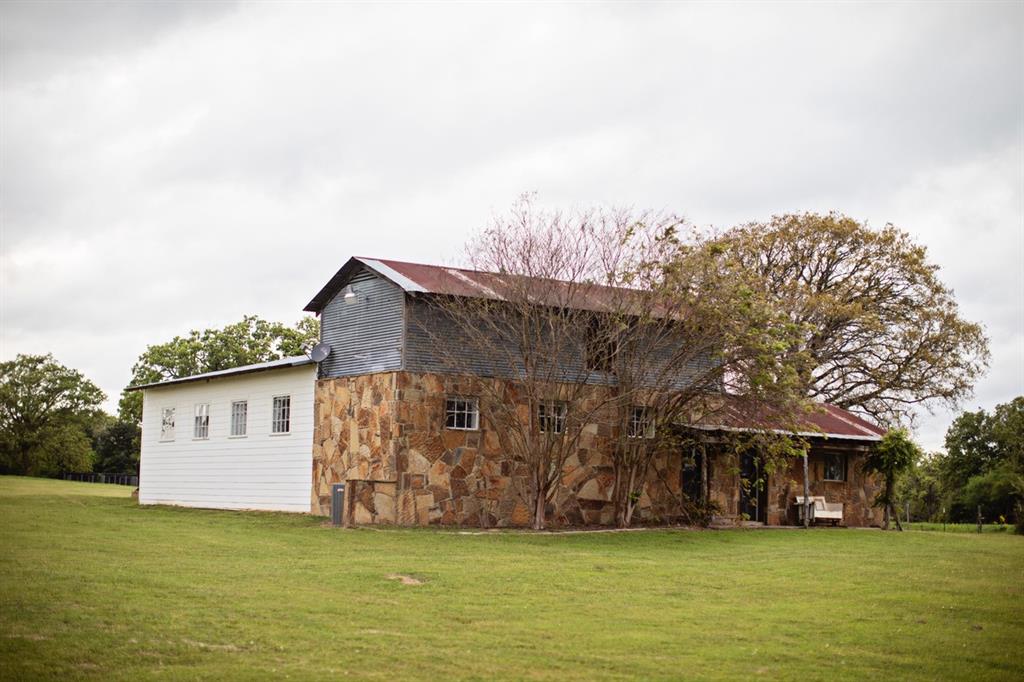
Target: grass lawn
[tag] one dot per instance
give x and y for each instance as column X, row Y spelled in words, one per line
column 959, row 527
column 93, row 586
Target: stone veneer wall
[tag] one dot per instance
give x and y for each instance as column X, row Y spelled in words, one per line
column 382, row 434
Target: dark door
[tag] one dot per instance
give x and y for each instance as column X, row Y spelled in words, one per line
column 753, row 487
column 692, row 475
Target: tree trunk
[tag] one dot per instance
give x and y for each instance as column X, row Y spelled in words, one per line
column 807, row 493
column 540, row 502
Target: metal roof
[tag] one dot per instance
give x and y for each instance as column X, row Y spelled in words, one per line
column 419, row 278
column 825, row 421
column 297, row 361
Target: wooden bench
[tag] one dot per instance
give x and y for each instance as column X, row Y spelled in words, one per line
column 820, row 510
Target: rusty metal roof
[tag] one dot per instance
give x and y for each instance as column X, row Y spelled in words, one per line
column 419, row 278
column 824, row 421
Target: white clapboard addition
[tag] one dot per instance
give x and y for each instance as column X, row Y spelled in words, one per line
column 260, row 470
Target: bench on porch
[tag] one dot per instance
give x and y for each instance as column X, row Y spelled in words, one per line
column 820, row 510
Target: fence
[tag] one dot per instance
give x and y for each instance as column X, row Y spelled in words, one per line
column 116, row 479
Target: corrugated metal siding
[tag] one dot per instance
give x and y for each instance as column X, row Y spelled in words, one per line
column 365, row 336
column 426, row 327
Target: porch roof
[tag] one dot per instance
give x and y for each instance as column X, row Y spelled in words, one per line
column 824, row 421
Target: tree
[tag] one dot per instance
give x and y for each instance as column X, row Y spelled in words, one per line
column 45, row 411
column 690, row 332
column 117, row 447
column 883, row 335
column 895, row 454
column 984, row 462
column 248, row 341
column 603, row 321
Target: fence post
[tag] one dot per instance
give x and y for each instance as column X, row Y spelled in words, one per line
column 979, row 518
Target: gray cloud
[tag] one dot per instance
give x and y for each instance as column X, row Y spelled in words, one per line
column 169, row 165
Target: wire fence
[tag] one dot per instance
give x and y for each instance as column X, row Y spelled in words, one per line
column 116, row 479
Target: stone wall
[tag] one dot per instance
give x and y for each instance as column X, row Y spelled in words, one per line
column 384, row 436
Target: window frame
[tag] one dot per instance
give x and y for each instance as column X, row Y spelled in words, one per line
column 843, row 462
column 275, row 421
column 451, row 415
column 642, row 427
column 560, row 409
column 196, row 416
column 245, row 419
column 163, row 423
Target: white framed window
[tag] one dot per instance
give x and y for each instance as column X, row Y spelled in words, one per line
column 462, row 414
column 835, row 467
column 551, row 416
column 281, row 421
column 167, row 423
column 201, row 427
column 641, row 425
column 239, row 417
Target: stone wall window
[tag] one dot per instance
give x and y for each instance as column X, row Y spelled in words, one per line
column 282, row 414
column 551, row 416
column 462, row 414
column 201, row 425
column 239, row 417
column 167, row 424
column 835, row 467
column 641, row 423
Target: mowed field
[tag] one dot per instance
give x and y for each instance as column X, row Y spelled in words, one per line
column 93, row 586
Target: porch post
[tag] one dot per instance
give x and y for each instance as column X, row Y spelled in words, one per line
column 807, row 492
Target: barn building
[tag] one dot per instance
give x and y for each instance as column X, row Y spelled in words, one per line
column 383, row 416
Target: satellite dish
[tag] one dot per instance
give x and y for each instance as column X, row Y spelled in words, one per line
column 320, row 352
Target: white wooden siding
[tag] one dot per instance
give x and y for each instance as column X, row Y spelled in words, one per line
column 257, row 471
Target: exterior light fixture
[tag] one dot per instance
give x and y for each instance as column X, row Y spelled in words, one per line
column 348, row 294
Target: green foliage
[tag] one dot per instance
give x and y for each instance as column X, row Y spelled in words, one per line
column 881, row 334
column 46, row 411
column 894, row 455
column 921, row 486
column 117, row 447
column 984, row 463
column 246, row 342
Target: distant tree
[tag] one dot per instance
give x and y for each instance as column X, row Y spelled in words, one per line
column 921, row 487
column 882, row 334
column 117, row 447
column 248, row 341
column 46, row 411
column 895, row 454
column 984, row 463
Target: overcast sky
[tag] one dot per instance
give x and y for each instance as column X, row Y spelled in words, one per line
column 171, row 166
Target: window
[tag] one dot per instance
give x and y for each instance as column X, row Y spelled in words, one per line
column 640, row 423
column 201, row 429
column 462, row 414
column 167, row 424
column 281, row 422
column 551, row 416
column 835, row 467
column 239, row 416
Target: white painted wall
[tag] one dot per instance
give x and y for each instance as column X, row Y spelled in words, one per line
column 258, row 471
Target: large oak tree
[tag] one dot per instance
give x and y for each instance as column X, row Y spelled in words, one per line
column 882, row 333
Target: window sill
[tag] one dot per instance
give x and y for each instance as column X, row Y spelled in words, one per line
column 238, row 437
column 276, row 435
column 455, row 428
column 200, row 439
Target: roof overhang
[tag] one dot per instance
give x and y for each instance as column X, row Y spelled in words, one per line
column 284, row 363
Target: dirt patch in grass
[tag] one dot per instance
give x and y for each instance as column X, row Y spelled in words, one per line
column 405, row 579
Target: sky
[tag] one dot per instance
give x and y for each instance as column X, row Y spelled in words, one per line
column 169, row 166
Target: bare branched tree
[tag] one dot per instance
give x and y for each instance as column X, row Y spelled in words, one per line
column 616, row 319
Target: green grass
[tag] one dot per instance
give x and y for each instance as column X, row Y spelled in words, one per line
column 93, row 586
column 959, row 527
